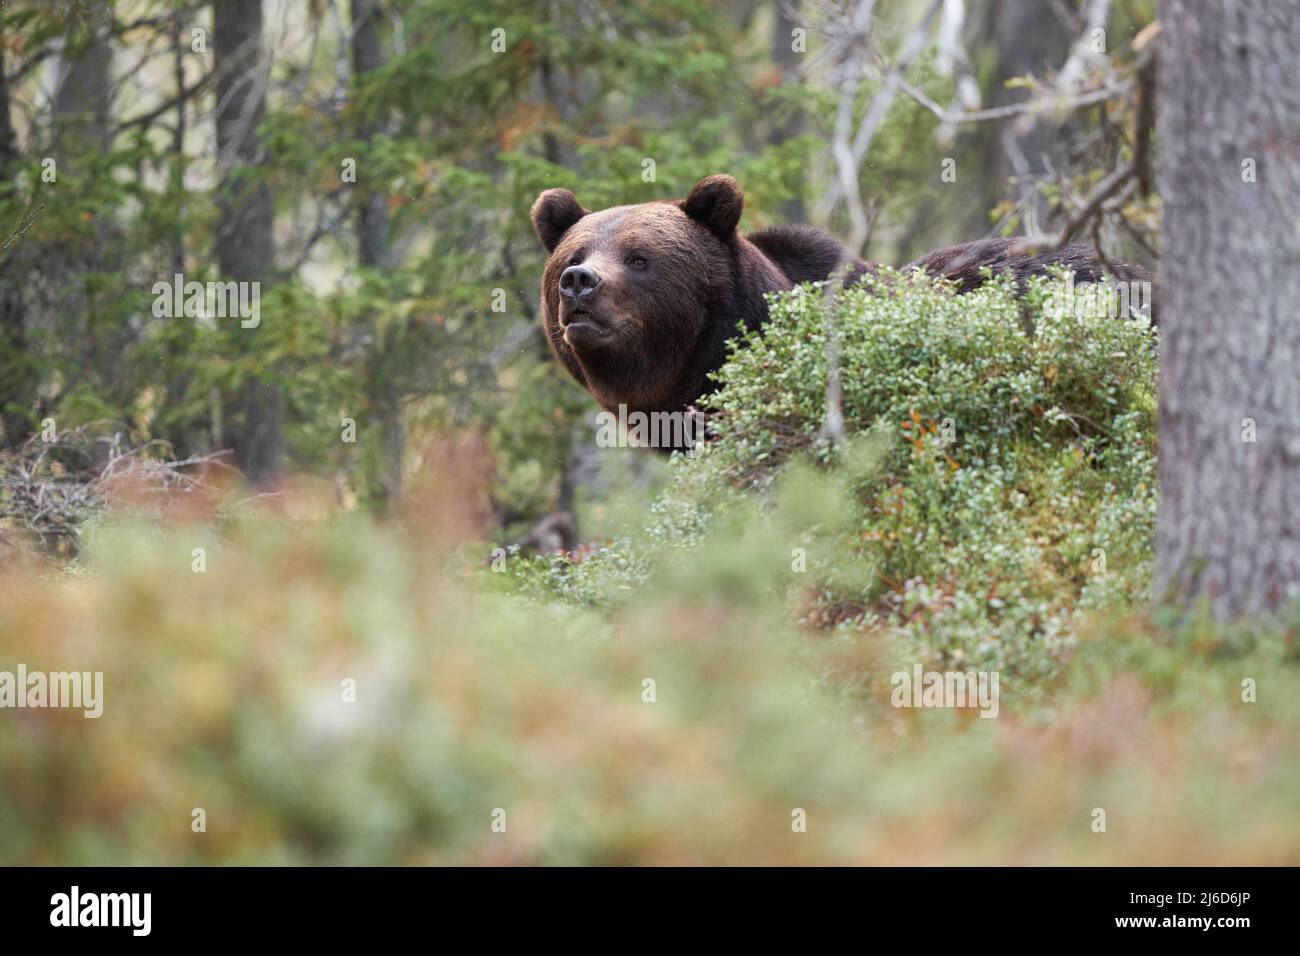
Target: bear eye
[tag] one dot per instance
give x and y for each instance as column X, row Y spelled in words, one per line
column 575, row 258
column 637, row 262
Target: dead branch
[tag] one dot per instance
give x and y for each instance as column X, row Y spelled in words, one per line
column 50, row 488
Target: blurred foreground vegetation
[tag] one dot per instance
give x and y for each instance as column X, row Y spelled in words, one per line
column 524, row 689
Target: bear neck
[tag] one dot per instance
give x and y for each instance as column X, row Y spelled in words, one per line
column 741, row 306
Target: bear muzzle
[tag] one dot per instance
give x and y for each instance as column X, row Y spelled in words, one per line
column 583, row 329
column 579, row 283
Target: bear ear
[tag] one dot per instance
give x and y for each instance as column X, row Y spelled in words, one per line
column 716, row 202
column 553, row 213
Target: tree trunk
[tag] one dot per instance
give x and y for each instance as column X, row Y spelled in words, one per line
column 81, row 106
column 788, row 61
column 1030, row 38
column 1229, row 100
column 17, row 376
column 245, row 247
column 383, row 390
column 81, row 127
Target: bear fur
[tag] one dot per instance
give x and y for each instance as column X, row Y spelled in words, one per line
column 638, row 302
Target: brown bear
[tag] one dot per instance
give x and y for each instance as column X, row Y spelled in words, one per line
column 639, row 301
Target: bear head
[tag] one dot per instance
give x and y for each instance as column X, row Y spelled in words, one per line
column 638, row 301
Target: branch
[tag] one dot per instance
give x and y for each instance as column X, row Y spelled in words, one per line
column 1108, row 197
column 843, row 151
column 851, row 156
column 22, row 228
column 1039, row 105
column 144, row 119
column 1124, row 177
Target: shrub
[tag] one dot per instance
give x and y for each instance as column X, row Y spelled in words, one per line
column 1001, row 475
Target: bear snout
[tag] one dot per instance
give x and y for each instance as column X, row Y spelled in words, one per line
column 579, row 282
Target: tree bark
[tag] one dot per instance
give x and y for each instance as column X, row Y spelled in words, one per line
column 82, row 127
column 1030, row 38
column 245, row 246
column 17, row 376
column 383, row 390
column 368, row 56
column 788, row 62
column 81, row 106
column 1229, row 92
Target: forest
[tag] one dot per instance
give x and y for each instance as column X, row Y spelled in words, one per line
column 291, row 476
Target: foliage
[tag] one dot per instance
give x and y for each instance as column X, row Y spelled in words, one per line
column 980, row 550
column 471, row 698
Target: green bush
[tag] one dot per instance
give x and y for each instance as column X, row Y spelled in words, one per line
column 999, row 476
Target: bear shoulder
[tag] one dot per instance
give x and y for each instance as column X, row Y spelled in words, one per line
column 965, row 264
column 805, row 253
